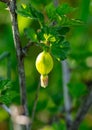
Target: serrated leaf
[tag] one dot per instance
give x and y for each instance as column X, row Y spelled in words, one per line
column 6, row 92
column 8, row 97
column 40, row 34
column 48, row 34
column 63, row 30
column 30, row 12
column 5, row 84
column 60, row 50
column 67, row 22
column 57, row 13
column 25, row 11
column 75, row 22
column 43, row 34
column 64, row 9
column 31, row 34
column 36, row 14
column 51, row 11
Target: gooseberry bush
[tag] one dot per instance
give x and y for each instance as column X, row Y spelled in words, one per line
column 51, row 37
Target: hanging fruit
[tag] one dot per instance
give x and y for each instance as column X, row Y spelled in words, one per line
column 44, row 64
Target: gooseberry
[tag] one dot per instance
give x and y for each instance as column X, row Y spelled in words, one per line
column 44, row 64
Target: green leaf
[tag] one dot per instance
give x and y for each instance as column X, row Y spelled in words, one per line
column 58, row 13
column 8, row 98
column 50, row 34
column 46, row 35
column 64, row 9
column 30, row 12
column 76, row 22
column 67, row 22
column 60, row 50
column 36, row 14
column 7, row 94
column 63, row 30
column 5, row 84
column 51, row 11
column 25, row 11
column 31, row 34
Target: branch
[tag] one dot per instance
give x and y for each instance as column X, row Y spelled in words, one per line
column 26, row 48
column 6, row 108
column 56, row 3
column 82, row 112
column 67, row 102
column 35, row 104
column 18, row 48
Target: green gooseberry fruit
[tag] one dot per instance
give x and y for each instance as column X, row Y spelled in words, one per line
column 44, row 64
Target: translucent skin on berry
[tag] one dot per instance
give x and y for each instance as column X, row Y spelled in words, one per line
column 44, row 63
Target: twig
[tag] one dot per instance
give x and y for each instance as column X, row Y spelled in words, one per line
column 56, row 3
column 26, row 48
column 18, row 47
column 6, row 108
column 35, row 104
column 82, row 112
column 67, row 102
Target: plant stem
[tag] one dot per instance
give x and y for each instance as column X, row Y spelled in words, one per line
column 6, row 108
column 82, row 112
column 18, row 48
column 56, row 3
column 35, row 104
column 67, row 102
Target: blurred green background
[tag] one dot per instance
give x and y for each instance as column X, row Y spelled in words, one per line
column 50, row 107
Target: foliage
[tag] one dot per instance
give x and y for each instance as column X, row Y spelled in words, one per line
column 51, row 34
column 55, row 27
column 7, row 93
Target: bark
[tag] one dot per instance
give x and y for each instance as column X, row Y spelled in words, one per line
column 18, row 48
column 67, row 102
column 82, row 112
column 35, row 104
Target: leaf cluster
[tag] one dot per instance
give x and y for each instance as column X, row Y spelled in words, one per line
column 30, row 12
column 52, row 31
column 7, row 94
